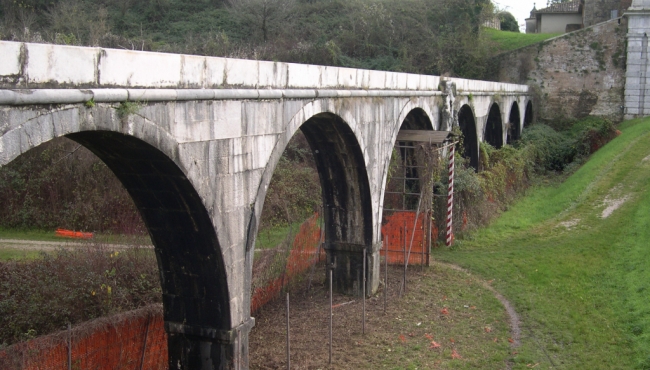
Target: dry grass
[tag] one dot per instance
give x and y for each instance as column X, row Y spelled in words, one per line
column 442, row 305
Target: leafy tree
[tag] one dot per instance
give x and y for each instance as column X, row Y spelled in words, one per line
column 508, row 22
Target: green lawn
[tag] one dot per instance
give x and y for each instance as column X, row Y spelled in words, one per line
column 579, row 281
column 507, row 41
column 17, row 254
column 273, row 236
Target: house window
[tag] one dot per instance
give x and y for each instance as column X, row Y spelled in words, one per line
column 614, row 14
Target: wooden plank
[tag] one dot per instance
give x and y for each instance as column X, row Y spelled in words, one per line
column 427, row 136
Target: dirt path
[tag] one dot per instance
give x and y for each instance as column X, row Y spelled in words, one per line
column 515, row 327
column 39, row 245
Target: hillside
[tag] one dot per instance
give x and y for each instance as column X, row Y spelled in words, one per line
column 573, row 257
column 506, row 41
column 419, row 36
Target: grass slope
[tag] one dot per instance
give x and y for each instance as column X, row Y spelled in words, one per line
column 507, row 41
column 579, row 281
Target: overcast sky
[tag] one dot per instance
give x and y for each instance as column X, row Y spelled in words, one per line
column 520, row 9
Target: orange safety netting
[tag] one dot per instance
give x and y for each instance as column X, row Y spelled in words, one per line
column 131, row 343
column 63, row 233
column 301, row 257
column 397, row 232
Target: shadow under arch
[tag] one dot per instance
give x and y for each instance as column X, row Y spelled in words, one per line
column 494, row 127
column 192, row 273
column 417, row 119
column 514, row 124
column 528, row 116
column 467, row 124
column 398, row 192
column 347, row 208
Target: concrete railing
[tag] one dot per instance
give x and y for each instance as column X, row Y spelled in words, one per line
column 39, row 66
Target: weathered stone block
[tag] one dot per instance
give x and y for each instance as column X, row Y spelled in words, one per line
column 61, row 65
column 137, row 65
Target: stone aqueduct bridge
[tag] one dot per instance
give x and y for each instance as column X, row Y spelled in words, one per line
column 198, row 145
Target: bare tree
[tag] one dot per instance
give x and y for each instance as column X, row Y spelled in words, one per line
column 264, row 15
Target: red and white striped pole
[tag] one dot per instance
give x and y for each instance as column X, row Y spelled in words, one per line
column 450, row 198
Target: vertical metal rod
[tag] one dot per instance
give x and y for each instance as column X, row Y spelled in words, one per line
column 144, row 347
column 288, row 337
column 404, row 285
column 331, row 315
column 415, row 224
column 425, row 238
column 69, row 346
column 385, row 272
column 364, row 292
column 430, row 237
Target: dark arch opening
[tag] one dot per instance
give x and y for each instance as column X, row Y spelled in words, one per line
column 467, row 125
column 528, row 117
column 514, row 122
column 403, row 189
column 408, row 189
column 344, row 181
column 417, row 119
column 494, row 127
column 192, row 274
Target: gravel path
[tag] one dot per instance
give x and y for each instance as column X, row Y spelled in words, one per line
column 39, row 245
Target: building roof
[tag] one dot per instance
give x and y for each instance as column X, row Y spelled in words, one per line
column 570, row 7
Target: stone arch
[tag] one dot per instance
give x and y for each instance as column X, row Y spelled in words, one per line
column 514, row 124
column 467, row 123
column 411, row 115
column 528, row 116
column 342, row 172
column 417, row 119
column 144, row 158
column 494, row 127
column 345, row 186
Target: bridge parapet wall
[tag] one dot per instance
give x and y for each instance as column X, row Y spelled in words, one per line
column 32, row 66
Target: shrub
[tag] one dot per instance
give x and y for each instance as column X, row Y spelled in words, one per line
column 41, row 296
column 552, row 150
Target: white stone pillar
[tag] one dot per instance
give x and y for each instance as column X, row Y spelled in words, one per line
column 637, row 96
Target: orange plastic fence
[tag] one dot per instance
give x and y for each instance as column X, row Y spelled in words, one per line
column 138, row 342
column 398, row 231
column 302, row 257
column 63, row 233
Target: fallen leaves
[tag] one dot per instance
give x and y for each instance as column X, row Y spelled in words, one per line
column 444, row 311
column 455, row 355
column 402, row 338
column 434, row 345
column 488, row 329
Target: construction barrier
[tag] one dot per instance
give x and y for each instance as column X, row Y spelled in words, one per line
column 303, row 255
column 401, row 235
column 131, row 340
column 63, row 233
